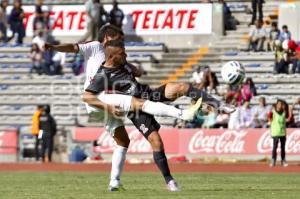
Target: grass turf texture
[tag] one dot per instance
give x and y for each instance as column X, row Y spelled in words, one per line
column 69, row 185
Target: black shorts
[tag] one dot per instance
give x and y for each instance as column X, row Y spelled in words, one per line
column 155, row 95
column 144, row 122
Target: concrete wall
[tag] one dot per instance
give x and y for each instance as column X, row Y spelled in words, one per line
column 289, row 14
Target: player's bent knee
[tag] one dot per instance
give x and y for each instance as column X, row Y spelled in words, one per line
column 121, row 137
column 156, row 142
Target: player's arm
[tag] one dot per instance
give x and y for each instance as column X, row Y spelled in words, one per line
column 135, row 71
column 67, row 48
column 92, row 99
column 90, row 96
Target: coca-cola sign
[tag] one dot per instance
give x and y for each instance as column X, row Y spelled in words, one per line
column 230, row 141
column 197, row 141
column 137, row 143
column 8, row 142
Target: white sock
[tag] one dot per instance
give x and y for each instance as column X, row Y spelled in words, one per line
column 117, row 163
column 161, row 109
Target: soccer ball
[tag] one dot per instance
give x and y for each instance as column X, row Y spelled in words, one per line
column 233, row 73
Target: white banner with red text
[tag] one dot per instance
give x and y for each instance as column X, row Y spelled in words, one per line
column 140, row 19
column 196, row 141
column 8, row 142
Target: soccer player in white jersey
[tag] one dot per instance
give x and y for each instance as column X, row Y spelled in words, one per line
column 93, row 58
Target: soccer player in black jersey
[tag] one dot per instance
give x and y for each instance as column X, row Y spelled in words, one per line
column 114, row 76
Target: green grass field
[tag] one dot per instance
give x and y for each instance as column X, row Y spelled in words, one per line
column 28, row 185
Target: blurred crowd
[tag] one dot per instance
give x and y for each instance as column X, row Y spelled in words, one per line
column 246, row 115
column 48, row 62
column 268, row 37
column 52, row 63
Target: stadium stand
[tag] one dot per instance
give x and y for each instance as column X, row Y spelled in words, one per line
column 20, row 92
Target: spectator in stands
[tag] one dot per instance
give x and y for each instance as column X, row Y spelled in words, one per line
column 261, row 114
column 37, row 59
column 273, row 36
column 281, row 59
column 285, row 34
column 248, row 89
column 35, row 128
column 198, row 120
column 3, row 20
column 48, row 127
column 296, row 108
column 277, row 118
column 40, row 40
column 16, row 21
column 290, row 122
column 40, row 19
column 116, row 15
column 257, row 37
column 204, row 78
column 103, row 16
column 296, row 57
column 229, row 21
column 78, row 64
column 197, row 75
column 257, row 4
column 210, row 119
column 234, row 93
column 247, row 116
column 58, row 61
column 234, row 121
column 92, row 10
column 294, row 53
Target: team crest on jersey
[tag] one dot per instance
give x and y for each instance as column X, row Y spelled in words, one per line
column 143, row 128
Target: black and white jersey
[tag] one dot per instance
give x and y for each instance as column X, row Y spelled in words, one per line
column 118, row 79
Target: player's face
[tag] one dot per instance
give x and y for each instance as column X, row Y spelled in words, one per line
column 119, row 57
column 279, row 106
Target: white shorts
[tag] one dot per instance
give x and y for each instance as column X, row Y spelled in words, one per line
column 123, row 101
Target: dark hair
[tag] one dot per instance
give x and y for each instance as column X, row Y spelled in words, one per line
column 114, row 43
column 274, row 24
column 40, row 106
column 36, row 47
column 251, row 81
column 47, row 109
column 284, row 27
column 108, row 30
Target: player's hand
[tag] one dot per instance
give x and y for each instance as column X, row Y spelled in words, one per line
column 48, row 46
column 115, row 110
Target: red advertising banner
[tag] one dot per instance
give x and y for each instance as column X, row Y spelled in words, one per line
column 8, row 142
column 153, row 19
column 197, row 141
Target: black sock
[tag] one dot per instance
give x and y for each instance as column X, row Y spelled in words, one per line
column 161, row 161
column 196, row 93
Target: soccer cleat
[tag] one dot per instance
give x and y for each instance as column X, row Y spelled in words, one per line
column 173, row 186
column 115, row 185
column 119, row 188
column 284, row 163
column 189, row 114
column 227, row 108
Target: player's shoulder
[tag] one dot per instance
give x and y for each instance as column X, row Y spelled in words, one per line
column 92, row 44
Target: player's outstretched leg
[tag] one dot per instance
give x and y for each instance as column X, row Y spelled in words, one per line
column 176, row 90
column 161, row 109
